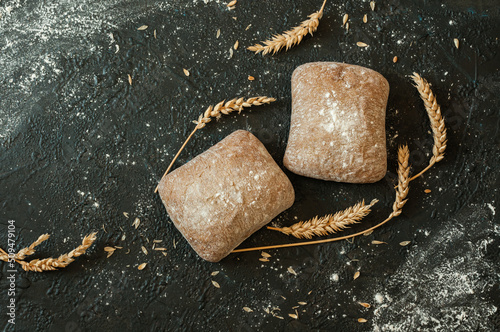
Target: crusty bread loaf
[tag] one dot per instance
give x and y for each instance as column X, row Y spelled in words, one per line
column 337, row 130
column 225, row 194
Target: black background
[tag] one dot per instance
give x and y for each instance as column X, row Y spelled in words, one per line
column 80, row 146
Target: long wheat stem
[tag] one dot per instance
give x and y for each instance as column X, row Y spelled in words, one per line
column 224, row 107
column 401, row 193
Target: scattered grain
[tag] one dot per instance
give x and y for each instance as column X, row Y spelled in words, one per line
column 186, row 72
column 248, row 27
column 247, row 309
column 125, row 214
column 110, row 251
column 404, row 243
column 215, row 283
column 251, row 78
column 263, row 259
column 292, row 271
column 129, row 79
column 378, row 242
column 356, row 275
column 218, row 34
column 347, row 26
column 368, row 233
column 372, row 5
column 214, row 273
column 302, row 303
column 136, row 223
column 231, row 4
column 427, row 191
column 457, row 43
column 365, row 18
column 236, row 45
column 160, row 249
column 164, row 253
column 142, row 266
column 265, row 254
column 395, row 59
column 366, row 305
column 344, row 20
column 157, row 241
column 154, row 33
column 124, row 237
column 361, row 44
column 362, row 320
column 142, row 27
column 294, row 316
column 144, row 250
column 231, row 53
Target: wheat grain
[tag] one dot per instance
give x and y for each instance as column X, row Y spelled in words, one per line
column 362, row 320
column 290, row 38
column 372, row 5
column 378, row 242
column 404, row 243
column 402, row 190
column 437, row 121
column 366, row 305
column 356, row 275
column 331, row 223
column 224, row 107
column 361, row 44
column 344, row 20
column 365, row 18
column 142, row 27
column 395, row 59
column 456, row 42
column 142, row 266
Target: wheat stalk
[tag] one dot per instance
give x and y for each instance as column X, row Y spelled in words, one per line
column 331, row 223
column 437, row 121
column 402, row 190
column 290, row 38
column 224, row 107
column 48, row 264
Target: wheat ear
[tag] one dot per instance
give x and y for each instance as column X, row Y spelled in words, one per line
column 290, row 38
column 400, row 200
column 437, row 121
column 224, row 107
column 329, row 224
column 31, row 249
column 48, row 264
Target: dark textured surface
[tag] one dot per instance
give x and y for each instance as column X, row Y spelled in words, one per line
column 80, row 146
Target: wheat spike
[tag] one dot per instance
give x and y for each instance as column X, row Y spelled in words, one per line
column 224, row 107
column 31, row 249
column 329, row 224
column 48, row 264
column 402, row 190
column 437, row 121
column 290, row 38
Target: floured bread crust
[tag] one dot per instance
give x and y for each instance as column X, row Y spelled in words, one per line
column 337, row 130
column 225, row 194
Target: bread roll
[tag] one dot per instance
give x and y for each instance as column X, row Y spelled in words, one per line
column 225, row 194
column 337, row 131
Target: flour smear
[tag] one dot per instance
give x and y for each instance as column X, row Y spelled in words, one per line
column 443, row 286
column 35, row 36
